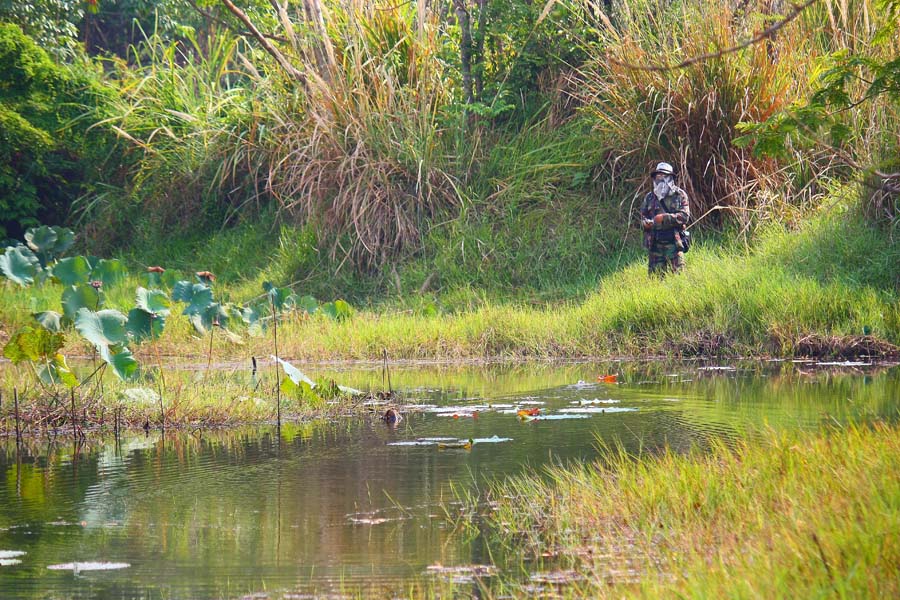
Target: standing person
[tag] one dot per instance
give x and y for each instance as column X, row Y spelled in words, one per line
column 664, row 215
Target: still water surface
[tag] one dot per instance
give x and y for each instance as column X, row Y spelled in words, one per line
column 355, row 506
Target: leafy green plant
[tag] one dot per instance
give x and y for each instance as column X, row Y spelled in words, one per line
column 20, row 265
column 40, row 347
column 107, row 330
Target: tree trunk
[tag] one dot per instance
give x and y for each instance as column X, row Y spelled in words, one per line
column 465, row 48
column 479, row 49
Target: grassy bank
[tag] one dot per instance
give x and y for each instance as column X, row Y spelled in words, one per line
column 827, row 288
column 789, row 516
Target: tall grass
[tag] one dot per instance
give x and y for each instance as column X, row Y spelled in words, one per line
column 192, row 132
column 689, row 116
column 361, row 155
column 833, row 279
column 791, row 515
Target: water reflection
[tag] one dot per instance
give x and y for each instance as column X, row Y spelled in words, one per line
column 335, row 507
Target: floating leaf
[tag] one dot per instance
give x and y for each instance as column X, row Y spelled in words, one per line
column 88, row 566
column 153, row 301
column 103, row 328
column 142, row 324
column 121, row 360
column 49, row 320
column 72, row 270
column 302, row 391
column 20, row 265
column 76, row 297
column 109, row 271
column 295, row 374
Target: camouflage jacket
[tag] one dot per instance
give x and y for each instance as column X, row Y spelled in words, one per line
column 676, row 214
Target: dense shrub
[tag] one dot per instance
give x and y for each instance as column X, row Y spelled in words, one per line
column 45, row 153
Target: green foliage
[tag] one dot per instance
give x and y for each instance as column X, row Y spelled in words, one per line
column 102, row 328
column 40, row 347
column 53, row 24
column 33, row 344
column 338, row 310
column 20, row 265
column 72, row 270
column 78, row 297
column 41, row 146
column 49, row 320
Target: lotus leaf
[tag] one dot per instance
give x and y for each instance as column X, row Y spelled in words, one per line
column 49, row 242
column 55, row 371
column 109, row 271
column 142, row 324
column 20, row 265
column 72, row 270
column 308, row 303
column 295, row 374
column 203, row 318
column 300, row 391
column 153, row 301
column 338, row 310
column 281, row 298
column 34, row 344
column 49, row 320
column 76, row 297
column 104, row 328
column 121, row 360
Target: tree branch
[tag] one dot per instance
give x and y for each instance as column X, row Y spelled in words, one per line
column 266, row 44
column 221, row 21
column 766, row 33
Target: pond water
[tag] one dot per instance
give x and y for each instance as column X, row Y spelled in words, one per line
column 354, row 506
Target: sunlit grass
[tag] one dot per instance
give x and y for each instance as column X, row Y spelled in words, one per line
column 790, row 515
column 831, row 278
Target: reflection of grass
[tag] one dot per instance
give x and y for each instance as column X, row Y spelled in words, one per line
column 792, row 515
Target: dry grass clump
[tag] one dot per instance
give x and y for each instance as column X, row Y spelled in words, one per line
column 844, row 346
column 361, row 156
column 689, row 116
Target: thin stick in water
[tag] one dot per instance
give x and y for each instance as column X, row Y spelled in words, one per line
column 277, row 377
column 16, row 402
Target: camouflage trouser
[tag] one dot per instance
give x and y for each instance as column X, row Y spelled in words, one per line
column 665, row 257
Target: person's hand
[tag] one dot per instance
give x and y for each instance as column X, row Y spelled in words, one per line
column 658, row 219
column 647, row 224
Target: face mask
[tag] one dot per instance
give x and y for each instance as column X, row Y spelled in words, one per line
column 662, row 188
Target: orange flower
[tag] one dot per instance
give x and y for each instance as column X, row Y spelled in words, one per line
column 608, row 378
column 155, row 270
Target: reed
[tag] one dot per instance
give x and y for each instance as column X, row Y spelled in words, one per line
column 361, row 154
column 785, row 514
